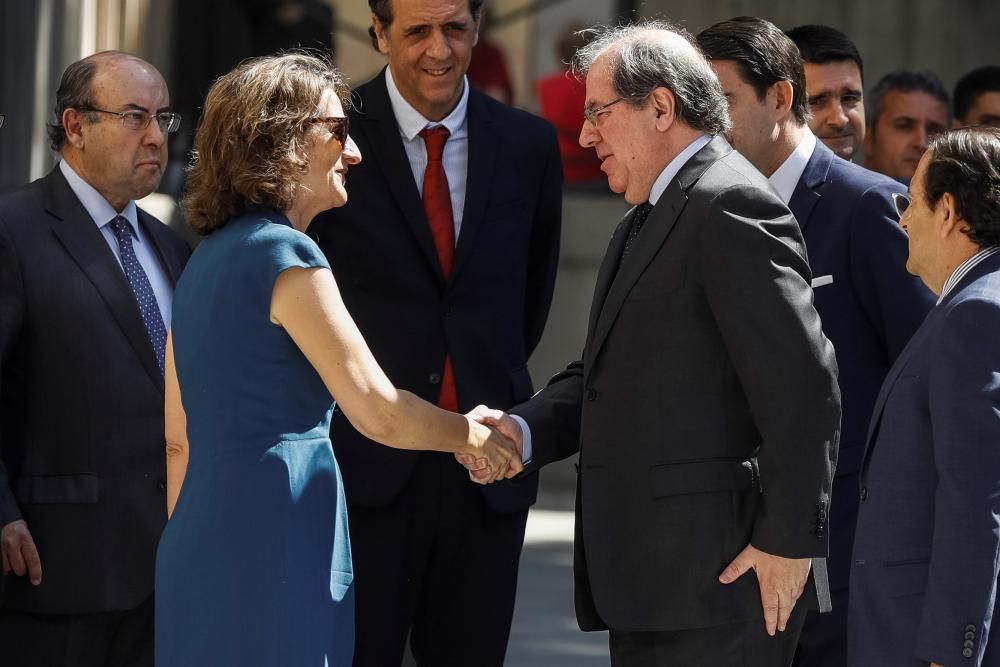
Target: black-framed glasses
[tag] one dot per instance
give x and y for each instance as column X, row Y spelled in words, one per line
column 901, row 201
column 338, row 126
column 139, row 119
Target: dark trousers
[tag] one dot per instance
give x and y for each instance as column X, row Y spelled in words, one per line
column 743, row 644
column 436, row 564
column 824, row 637
column 107, row 639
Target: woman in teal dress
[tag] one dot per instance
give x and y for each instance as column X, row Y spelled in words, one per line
column 254, row 567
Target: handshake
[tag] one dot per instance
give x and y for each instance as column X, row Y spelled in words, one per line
column 501, row 455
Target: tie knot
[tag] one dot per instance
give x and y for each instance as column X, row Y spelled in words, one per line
column 434, row 138
column 120, row 226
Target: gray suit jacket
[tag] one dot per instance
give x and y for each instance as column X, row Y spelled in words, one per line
column 705, row 409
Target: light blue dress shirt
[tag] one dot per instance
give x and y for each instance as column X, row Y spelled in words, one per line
column 102, row 214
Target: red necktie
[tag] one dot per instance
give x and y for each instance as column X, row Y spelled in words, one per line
column 437, row 205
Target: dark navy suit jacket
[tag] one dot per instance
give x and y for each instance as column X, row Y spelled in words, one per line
column 869, row 305
column 924, row 580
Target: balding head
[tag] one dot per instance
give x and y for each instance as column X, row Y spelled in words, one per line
column 644, row 56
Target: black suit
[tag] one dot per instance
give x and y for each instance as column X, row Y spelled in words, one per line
column 488, row 315
column 705, row 409
column 82, row 456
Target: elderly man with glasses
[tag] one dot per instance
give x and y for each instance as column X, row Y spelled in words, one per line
column 705, row 408
column 86, row 283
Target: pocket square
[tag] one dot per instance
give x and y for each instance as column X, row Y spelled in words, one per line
column 819, row 281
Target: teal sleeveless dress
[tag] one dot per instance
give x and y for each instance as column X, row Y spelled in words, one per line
column 254, row 567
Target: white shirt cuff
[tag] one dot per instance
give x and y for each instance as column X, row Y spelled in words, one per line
column 525, row 439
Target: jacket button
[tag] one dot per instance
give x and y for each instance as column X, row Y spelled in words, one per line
column 434, row 378
column 864, row 493
column 966, row 652
column 970, row 628
column 970, row 635
column 968, row 643
column 591, row 394
column 163, row 486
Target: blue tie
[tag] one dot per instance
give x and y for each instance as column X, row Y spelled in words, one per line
column 143, row 291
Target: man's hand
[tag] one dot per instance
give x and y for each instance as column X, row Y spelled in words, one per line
column 499, row 421
column 781, row 582
column 19, row 552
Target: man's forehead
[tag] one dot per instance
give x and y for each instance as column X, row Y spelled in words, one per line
column 129, row 81
column 834, row 75
column 416, row 12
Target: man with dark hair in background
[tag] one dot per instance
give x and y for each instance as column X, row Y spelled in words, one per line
column 905, row 110
column 86, row 285
column 925, row 563
column 869, row 305
column 446, row 255
column 834, row 86
column 977, row 97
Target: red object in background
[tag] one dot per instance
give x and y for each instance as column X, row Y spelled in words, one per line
column 488, row 71
column 563, row 97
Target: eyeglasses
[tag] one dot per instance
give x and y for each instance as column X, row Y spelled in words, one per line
column 139, row 119
column 337, row 125
column 592, row 114
column 901, row 202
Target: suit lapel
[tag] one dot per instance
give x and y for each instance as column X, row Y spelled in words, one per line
column 605, row 276
column 169, row 260
column 654, row 232
column 988, row 265
column 807, row 191
column 482, row 159
column 382, row 133
column 77, row 232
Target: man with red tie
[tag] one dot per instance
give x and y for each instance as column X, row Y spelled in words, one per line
column 446, row 256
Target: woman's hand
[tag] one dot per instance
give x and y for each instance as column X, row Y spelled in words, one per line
column 499, row 453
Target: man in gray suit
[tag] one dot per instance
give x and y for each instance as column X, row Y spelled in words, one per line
column 705, row 409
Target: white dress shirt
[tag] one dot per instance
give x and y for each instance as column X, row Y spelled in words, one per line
column 102, row 213
column 788, row 175
column 963, row 268
column 655, row 192
column 456, row 149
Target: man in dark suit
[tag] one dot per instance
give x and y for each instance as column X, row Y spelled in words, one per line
column 705, row 408
column 446, row 256
column 869, row 304
column 926, row 564
column 86, row 281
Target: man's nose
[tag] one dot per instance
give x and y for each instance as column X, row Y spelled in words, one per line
column 838, row 116
column 920, row 137
column 438, row 47
column 588, row 134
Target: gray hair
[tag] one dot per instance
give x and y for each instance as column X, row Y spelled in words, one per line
column 650, row 54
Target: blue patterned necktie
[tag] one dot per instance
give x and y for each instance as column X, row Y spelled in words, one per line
column 143, row 291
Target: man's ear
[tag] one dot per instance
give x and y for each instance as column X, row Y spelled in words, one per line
column 948, row 219
column 665, row 105
column 381, row 35
column 784, row 94
column 476, row 23
column 72, row 122
column 869, row 144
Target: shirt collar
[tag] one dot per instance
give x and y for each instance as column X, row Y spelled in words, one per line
column 411, row 121
column 100, row 211
column 787, row 176
column 668, row 173
column 964, row 268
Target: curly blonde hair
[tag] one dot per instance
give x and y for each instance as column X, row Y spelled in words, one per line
column 251, row 147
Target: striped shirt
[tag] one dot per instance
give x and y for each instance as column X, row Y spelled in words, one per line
column 964, row 269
